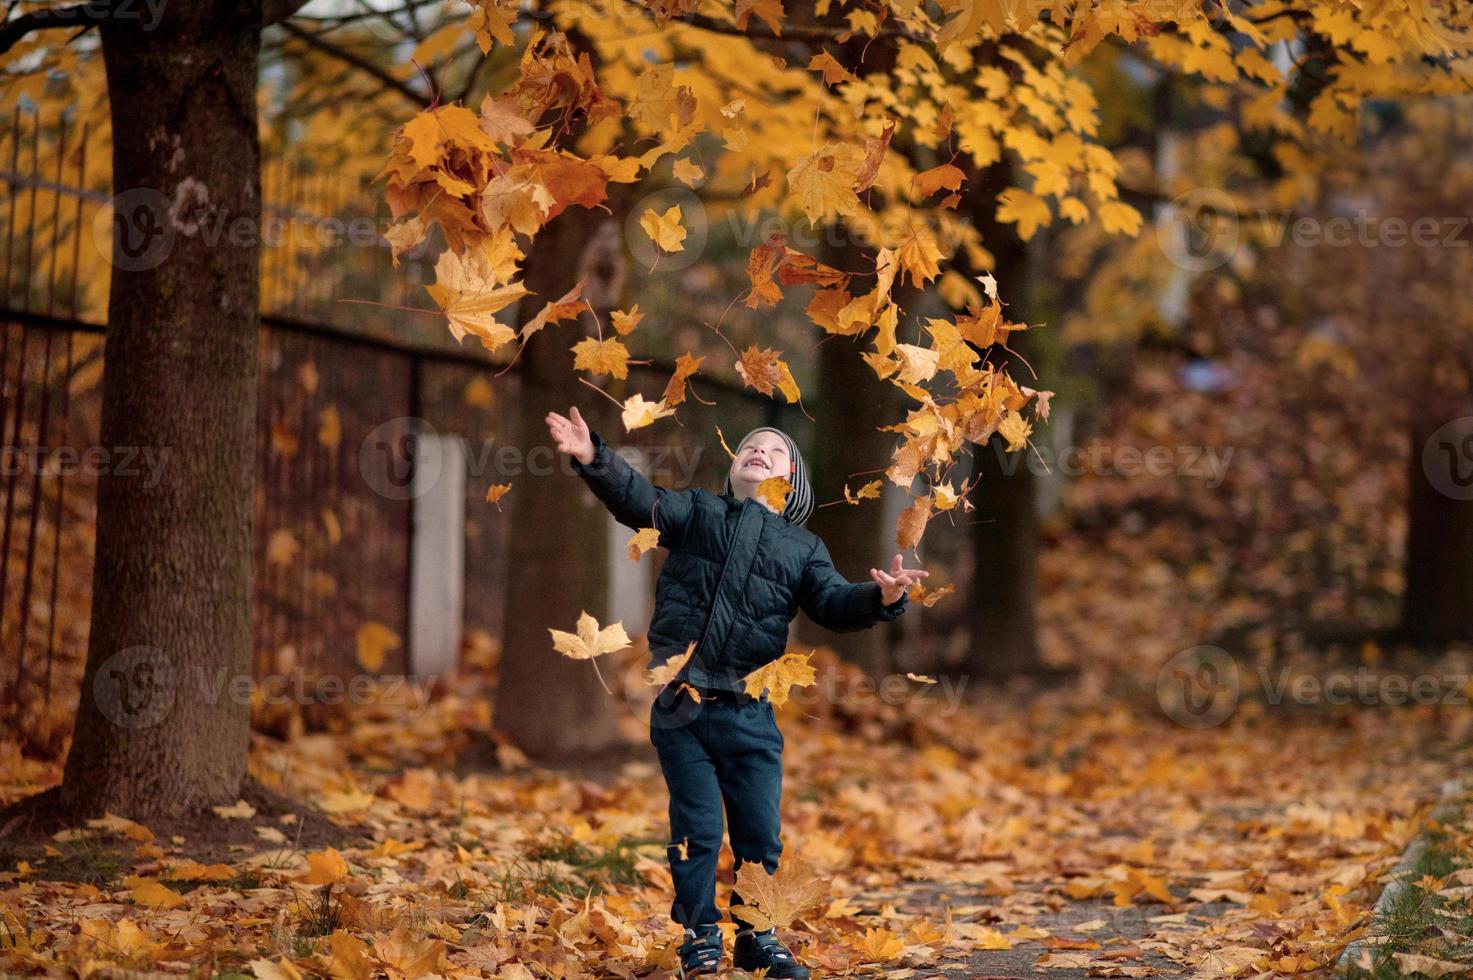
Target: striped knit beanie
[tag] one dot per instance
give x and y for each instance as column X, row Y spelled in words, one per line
column 800, row 502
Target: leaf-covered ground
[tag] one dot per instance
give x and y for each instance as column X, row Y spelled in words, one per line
column 1077, row 830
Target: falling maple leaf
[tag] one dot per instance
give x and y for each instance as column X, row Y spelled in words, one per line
column 664, row 229
column 686, row 365
column 496, row 491
column 779, row 677
column 870, row 491
column 623, row 322
column 774, row 901
column 589, row 641
column 920, row 678
column 667, row 671
column 373, row 642
column 465, row 291
column 639, row 413
column 919, row 594
column 775, row 490
column 596, row 356
column 824, row 183
column 764, row 370
column 912, row 524
column 644, row 540
column 565, row 307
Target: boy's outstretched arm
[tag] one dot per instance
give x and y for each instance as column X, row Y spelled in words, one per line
column 634, row 501
column 834, row 602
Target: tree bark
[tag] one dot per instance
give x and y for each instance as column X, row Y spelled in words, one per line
column 849, row 446
column 158, row 730
column 552, row 707
column 1438, row 604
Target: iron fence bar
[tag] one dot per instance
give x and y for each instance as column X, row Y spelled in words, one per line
column 43, row 432
column 66, row 419
column 13, row 443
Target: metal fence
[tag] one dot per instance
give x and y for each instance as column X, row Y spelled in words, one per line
column 332, row 551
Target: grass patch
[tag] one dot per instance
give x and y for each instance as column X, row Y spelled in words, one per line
column 88, row 860
column 568, row 867
column 1418, row 920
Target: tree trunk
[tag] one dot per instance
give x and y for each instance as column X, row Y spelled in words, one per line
column 550, row 706
column 1003, row 609
column 158, row 730
column 847, row 442
column 1438, row 607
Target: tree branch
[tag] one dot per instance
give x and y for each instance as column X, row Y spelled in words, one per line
column 276, row 11
column 50, row 18
column 376, row 72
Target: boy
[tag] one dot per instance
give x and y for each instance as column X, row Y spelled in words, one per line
column 736, row 574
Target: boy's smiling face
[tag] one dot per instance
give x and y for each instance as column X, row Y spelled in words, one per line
column 761, row 457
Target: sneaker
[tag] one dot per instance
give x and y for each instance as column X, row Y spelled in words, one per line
column 759, row 950
column 700, row 954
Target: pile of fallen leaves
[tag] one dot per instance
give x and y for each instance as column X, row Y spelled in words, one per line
column 919, row 835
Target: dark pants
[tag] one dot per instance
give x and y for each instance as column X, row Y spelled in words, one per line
column 725, row 750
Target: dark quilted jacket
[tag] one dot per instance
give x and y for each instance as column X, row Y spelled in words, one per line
column 735, row 576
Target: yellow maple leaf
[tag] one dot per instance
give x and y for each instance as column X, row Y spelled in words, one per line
column 764, row 370
column 880, row 945
column 589, row 641
column 625, row 322
column 774, row 490
column 1015, row 430
column 823, row 183
column 239, row 810
column 464, row 290
column 664, row 229
column 639, row 413
column 920, row 257
column 647, row 538
column 771, row 12
column 152, row 893
column 1028, row 211
column 373, row 642
column 330, row 427
column 687, row 172
column 596, row 356
column 325, row 867
column 281, row 969
column 281, row 548
column 912, row 524
column 496, row 491
column 774, row 901
column 1117, row 216
column 870, row 491
column 350, row 957
column 666, row 672
column 779, row 677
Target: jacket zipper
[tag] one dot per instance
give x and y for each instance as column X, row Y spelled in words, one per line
column 720, row 583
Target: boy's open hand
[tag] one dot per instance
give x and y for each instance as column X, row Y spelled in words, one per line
column 894, row 584
column 571, row 435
